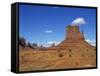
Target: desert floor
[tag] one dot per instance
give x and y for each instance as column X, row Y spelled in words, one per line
column 34, row 59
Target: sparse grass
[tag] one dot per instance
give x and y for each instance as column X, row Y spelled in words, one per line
column 31, row 60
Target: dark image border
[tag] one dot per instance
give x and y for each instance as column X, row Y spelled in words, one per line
column 15, row 37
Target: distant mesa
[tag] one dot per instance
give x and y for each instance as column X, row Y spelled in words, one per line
column 32, row 45
column 22, row 42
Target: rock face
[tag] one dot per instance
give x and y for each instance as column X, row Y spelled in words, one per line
column 73, row 33
column 22, row 42
column 74, row 38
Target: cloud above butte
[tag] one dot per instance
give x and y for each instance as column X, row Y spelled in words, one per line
column 79, row 21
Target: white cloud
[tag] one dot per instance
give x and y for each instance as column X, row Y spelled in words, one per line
column 51, row 42
column 48, row 31
column 92, row 42
column 79, row 21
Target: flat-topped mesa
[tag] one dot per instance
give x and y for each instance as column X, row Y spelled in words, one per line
column 73, row 33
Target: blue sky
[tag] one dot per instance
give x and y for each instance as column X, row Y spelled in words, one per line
column 45, row 24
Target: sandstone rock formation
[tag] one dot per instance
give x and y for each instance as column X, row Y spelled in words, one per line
column 22, row 42
column 74, row 39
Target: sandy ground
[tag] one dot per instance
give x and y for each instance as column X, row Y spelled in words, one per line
column 33, row 59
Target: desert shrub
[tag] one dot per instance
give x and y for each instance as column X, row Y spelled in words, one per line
column 70, row 50
column 70, row 55
column 61, row 55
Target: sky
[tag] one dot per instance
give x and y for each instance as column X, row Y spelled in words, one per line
column 47, row 24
